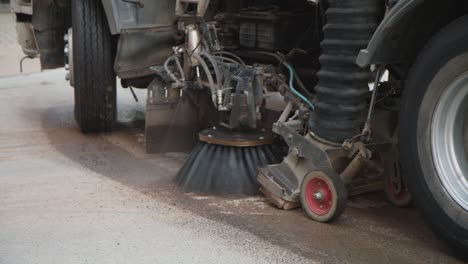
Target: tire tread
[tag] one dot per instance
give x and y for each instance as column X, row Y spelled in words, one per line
column 95, row 79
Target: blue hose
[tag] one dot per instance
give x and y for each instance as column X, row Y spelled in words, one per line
column 291, row 86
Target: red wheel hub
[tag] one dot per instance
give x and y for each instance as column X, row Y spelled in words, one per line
column 319, row 196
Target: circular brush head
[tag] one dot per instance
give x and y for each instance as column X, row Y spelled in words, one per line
column 226, row 170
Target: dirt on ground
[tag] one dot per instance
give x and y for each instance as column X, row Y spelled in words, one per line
column 102, row 197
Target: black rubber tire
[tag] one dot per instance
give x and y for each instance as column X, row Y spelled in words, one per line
column 93, row 73
column 338, row 191
column 442, row 60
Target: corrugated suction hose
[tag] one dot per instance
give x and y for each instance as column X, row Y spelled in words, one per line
column 342, row 90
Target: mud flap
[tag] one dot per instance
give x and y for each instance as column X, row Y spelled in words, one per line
column 172, row 119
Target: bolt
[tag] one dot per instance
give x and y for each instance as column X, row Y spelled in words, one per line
column 318, row 196
column 261, row 138
column 67, row 76
column 321, row 206
column 295, row 152
column 210, row 136
column 319, row 183
column 214, row 128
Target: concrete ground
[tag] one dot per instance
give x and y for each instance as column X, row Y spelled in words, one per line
column 66, row 197
column 69, row 198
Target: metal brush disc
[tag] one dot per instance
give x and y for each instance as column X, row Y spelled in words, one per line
column 225, row 162
column 225, row 137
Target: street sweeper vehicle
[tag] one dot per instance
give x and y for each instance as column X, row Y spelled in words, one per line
column 307, row 101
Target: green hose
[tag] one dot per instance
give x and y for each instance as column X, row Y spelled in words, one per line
column 291, row 86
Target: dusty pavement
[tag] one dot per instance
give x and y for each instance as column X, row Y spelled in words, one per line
column 70, row 198
column 67, row 198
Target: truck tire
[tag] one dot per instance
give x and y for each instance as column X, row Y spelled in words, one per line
column 93, row 77
column 434, row 136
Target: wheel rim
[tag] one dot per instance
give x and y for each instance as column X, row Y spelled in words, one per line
column 319, row 196
column 450, row 139
column 69, row 56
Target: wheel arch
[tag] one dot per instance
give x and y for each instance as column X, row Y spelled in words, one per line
column 407, row 28
column 141, row 25
column 138, row 14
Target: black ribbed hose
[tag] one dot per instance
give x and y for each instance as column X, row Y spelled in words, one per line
column 342, row 90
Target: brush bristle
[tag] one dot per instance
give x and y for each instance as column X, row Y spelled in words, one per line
column 223, row 170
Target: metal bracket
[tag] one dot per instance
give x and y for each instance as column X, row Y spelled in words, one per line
column 136, row 2
column 305, row 148
column 181, row 7
column 314, row 2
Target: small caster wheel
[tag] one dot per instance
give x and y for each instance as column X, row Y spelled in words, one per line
column 395, row 187
column 323, row 197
